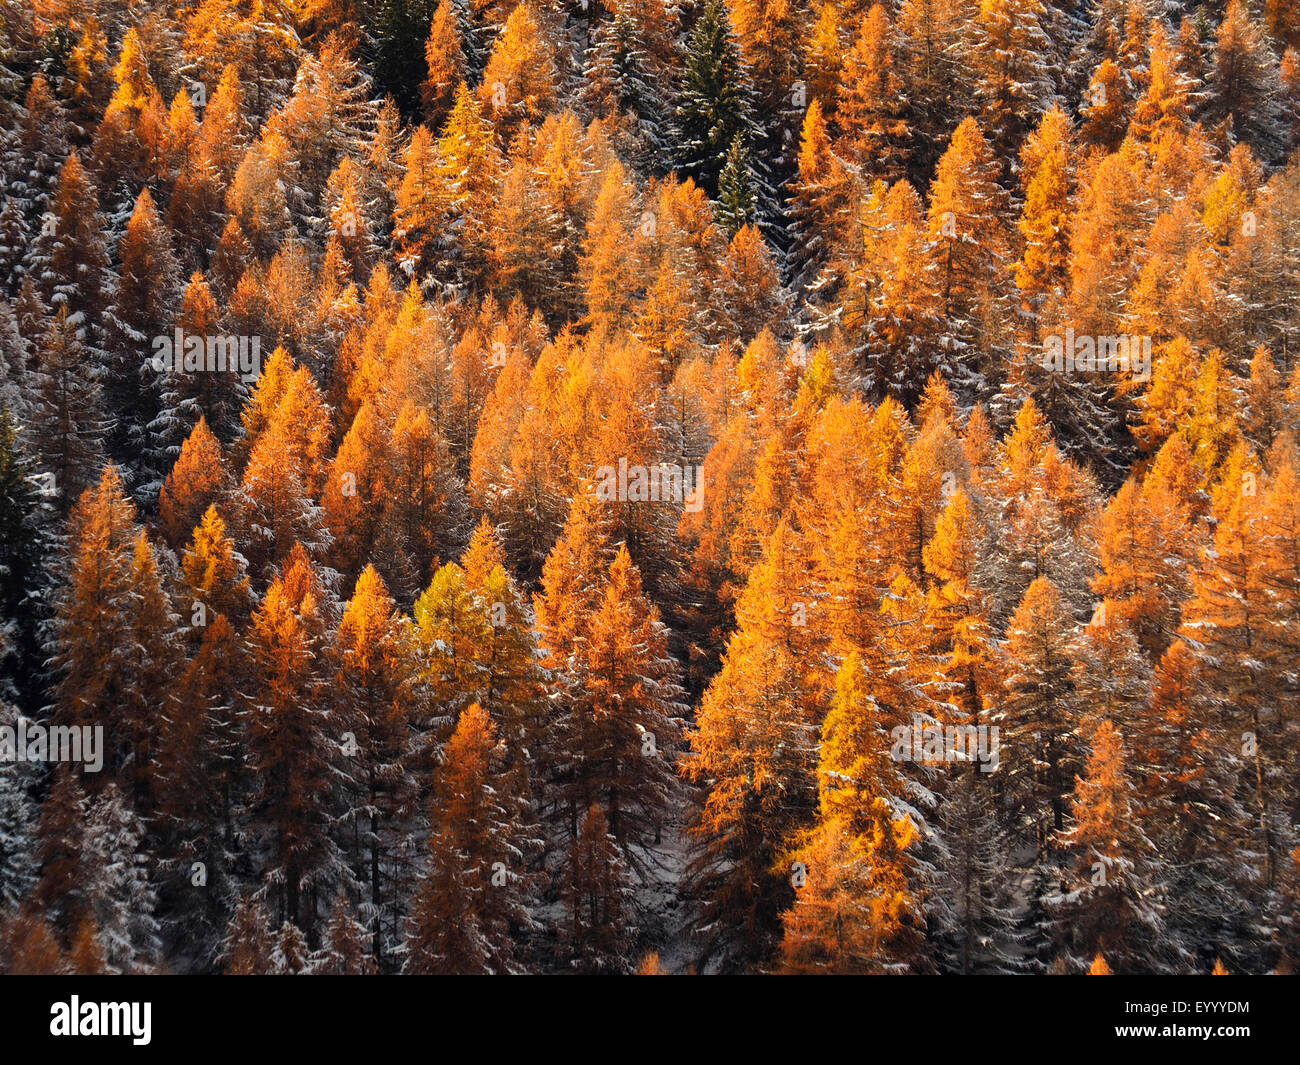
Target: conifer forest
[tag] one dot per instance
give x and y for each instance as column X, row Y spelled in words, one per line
column 649, row 487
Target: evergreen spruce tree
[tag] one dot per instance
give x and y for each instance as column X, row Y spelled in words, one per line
column 18, row 811
column 714, row 103
column 25, row 546
column 122, row 899
column 737, row 203
column 398, row 30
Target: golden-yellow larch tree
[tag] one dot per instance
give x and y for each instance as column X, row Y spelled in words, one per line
column 869, row 107
column 969, row 228
column 444, row 61
column 755, row 747
column 519, row 81
column 214, row 574
column 470, row 906
column 197, row 480
column 856, row 908
column 378, row 699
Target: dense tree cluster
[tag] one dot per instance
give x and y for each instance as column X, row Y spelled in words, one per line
column 323, row 325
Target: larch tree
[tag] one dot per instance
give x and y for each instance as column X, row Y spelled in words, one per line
column 223, row 134
column 396, row 672
column 1011, row 57
column 598, row 927
column 855, row 909
column 295, row 747
column 510, row 679
column 872, row 101
column 148, row 629
column 425, row 513
column 147, row 286
column 824, row 56
column 932, row 33
column 30, row 948
column 197, row 480
column 1165, row 104
column 470, row 906
column 344, row 947
column 194, row 212
column 527, row 233
column 1146, row 544
column 214, row 573
column 188, row 391
column 444, row 64
column 754, row 748
column 621, row 717
column 1165, row 404
column 86, row 955
column 1186, row 777
column 378, row 697
column 976, row 928
column 755, row 297
column 68, row 421
column 768, row 33
column 1040, row 527
column 1112, row 904
column 355, row 489
column 611, row 256
column 1039, row 719
column 518, row 83
column 113, row 636
column 1243, row 82
column 968, row 226
column 199, row 774
column 1042, row 271
column 903, row 325
column 273, row 511
column 246, row 948
column 1113, row 215
column 442, row 213
column 821, row 200
column 1105, row 114
column 63, row 889
column 73, row 259
column 452, row 627
column 569, row 594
